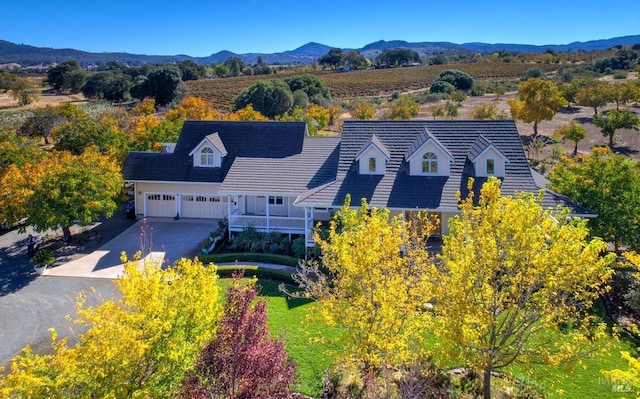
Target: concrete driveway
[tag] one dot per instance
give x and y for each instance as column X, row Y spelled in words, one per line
column 169, row 239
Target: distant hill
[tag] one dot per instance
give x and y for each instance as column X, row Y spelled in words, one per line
column 26, row 55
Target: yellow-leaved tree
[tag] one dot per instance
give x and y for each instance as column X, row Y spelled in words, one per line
column 369, row 288
column 510, row 274
column 629, row 378
column 538, row 100
column 138, row 346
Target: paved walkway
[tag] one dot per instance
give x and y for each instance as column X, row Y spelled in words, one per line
column 169, row 239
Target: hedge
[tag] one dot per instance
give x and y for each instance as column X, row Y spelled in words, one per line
column 249, row 257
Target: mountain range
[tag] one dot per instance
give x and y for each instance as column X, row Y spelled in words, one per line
column 27, row 56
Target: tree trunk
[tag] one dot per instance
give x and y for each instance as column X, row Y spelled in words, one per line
column 611, row 141
column 487, row 383
column 535, row 129
column 575, row 149
column 66, row 234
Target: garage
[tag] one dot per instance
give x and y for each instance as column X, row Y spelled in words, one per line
column 161, row 205
column 204, row 206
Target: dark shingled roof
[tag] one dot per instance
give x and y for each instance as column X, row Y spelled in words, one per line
column 239, row 139
column 420, row 140
column 315, row 165
column 396, row 189
column 478, row 147
column 375, row 141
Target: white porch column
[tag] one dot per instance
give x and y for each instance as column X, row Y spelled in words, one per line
column 266, row 203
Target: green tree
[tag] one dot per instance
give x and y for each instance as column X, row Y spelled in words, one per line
column 397, row 57
column 614, row 120
column 221, row 70
column 537, row 100
column 333, row 58
column 235, row 66
column 512, row 277
column 112, row 85
column 23, row 91
column 403, row 108
column 81, row 133
column 165, row 85
column 74, row 80
column 300, row 99
column 45, row 120
column 609, row 185
column 310, row 84
column 271, row 97
column 354, row 60
column 191, row 70
column 56, row 74
column 61, row 191
column 139, row 345
column 378, row 309
column 6, row 80
column 574, row 132
column 460, row 80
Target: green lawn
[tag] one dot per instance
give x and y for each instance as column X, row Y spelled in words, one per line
column 286, row 318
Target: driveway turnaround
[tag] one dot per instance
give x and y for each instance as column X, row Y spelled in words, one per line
column 30, row 304
column 164, row 238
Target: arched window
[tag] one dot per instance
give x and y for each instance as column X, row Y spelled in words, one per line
column 430, row 163
column 206, row 157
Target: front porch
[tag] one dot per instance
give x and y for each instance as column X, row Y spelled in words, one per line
column 282, row 224
column 267, row 213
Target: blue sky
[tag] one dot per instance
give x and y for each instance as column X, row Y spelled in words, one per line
column 200, row 28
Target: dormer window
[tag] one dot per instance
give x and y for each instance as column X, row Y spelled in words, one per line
column 430, row 163
column 487, row 159
column 427, row 156
column 372, row 164
column 372, row 158
column 491, row 167
column 207, row 157
column 209, row 153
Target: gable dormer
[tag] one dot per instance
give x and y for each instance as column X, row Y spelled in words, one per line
column 372, row 157
column 487, row 159
column 209, row 153
column 427, row 156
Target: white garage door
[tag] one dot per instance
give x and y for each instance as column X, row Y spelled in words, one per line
column 162, row 205
column 204, row 206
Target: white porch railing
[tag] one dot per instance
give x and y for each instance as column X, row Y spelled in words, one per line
column 283, row 224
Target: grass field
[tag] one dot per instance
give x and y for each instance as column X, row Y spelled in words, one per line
column 286, row 320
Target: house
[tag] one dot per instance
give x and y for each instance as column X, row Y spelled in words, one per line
column 273, row 176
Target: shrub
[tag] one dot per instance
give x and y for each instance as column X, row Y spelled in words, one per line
column 460, row 80
column 363, row 110
column 620, row 74
column 534, row 73
column 440, row 86
column 300, row 99
column 250, row 257
column 43, row 257
column 299, row 247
